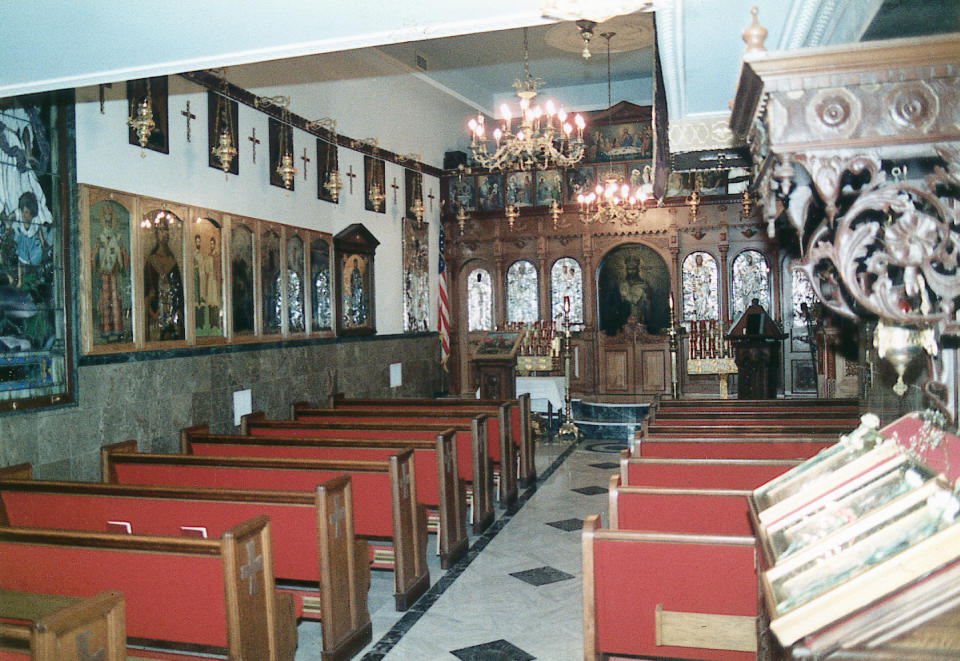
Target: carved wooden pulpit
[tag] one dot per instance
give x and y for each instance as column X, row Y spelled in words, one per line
column 757, row 341
column 494, row 364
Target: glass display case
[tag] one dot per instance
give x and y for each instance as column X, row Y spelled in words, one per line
column 865, row 560
column 848, row 503
column 855, row 453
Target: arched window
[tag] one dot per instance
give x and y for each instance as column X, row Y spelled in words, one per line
column 522, row 298
column 479, row 300
column 699, row 278
column 751, row 279
column 566, row 282
column 802, row 293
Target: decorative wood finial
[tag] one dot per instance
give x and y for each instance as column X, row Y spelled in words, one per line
column 754, row 35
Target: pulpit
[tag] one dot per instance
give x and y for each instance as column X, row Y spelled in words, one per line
column 756, row 340
column 494, row 364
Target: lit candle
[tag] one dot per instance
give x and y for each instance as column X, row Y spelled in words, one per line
column 670, row 301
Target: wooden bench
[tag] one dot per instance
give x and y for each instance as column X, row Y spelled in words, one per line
column 384, row 503
column 705, row 517
column 313, row 538
column 730, row 448
column 502, row 452
column 850, row 406
column 435, row 463
column 701, row 473
column 185, row 598
column 668, row 595
column 53, row 627
column 474, row 464
column 520, row 416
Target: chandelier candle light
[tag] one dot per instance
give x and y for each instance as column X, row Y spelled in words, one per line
column 544, row 139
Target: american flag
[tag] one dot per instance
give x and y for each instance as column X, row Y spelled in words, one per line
column 443, row 308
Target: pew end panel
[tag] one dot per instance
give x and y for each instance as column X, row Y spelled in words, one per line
column 344, row 573
column 453, row 532
column 409, row 532
column 187, row 434
column 677, row 596
column 107, row 473
column 49, row 627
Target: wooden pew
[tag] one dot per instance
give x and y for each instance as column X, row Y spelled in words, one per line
column 667, row 595
column 474, row 464
column 53, row 627
column 384, row 502
column 521, row 419
column 313, row 538
column 503, row 453
column 701, row 473
column 849, row 406
column 185, row 598
column 730, row 448
column 435, row 464
column 705, row 517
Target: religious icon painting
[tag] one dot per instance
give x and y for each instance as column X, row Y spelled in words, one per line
column 281, row 144
column 804, row 376
column 320, row 286
column 108, row 238
column 270, row 282
column 222, row 131
column 490, row 192
column 161, row 244
column 156, row 90
column 580, row 181
column 614, row 172
column 328, row 163
column 36, row 365
column 374, row 187
column 679, row 184
column 699, row 278
column 354, row 247
column 241, row 278
column 296, row 318
column 206, row 245
column 549, row 187
column 633, row 284
column 462, row 193
column 640, row 173
column 520, row 189
column 416, row 277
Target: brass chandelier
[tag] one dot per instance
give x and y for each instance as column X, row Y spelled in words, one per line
column 286, row 170
column 614, row 200
column 142, row 123
column 225, row 151
column 543, row 140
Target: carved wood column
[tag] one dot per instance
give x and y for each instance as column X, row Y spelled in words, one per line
column 723, row 247
column 499, row 281
column 543, row 271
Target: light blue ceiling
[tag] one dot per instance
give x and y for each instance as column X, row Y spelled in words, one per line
column 472, row 50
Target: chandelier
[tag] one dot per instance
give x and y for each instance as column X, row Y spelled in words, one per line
column 225, row 151
column 544, row 138
column 142, row 123
column 416, row 203
column 614, row 200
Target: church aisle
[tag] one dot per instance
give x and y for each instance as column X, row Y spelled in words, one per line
column 516, row 596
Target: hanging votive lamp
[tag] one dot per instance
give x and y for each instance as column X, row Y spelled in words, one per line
column 142, row 123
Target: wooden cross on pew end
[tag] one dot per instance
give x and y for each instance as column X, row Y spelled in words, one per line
column 338, row 515
column 254, row 566
column 83, row 648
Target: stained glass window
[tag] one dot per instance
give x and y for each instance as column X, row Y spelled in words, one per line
column 295, row 315
column 320, row 277
column 479, row 301
column 699, row 278
column 522, row 298
column 802, row 293
column 751, row 279
column 566, row 282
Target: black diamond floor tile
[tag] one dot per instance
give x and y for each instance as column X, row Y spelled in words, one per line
column 606, row 465
column 590, row 491
column 497, row 650
column 541, row 576
column 567, row 524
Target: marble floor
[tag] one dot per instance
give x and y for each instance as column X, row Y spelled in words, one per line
column 516, row 595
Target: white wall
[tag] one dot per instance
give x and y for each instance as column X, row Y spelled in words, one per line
column 104, row 158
